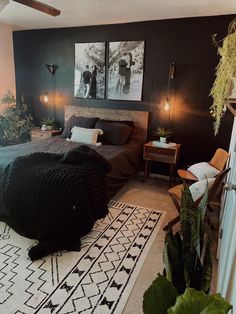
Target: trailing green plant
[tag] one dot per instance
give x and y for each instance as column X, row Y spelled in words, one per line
column 162, row 298
column 162, row 132
column 225, row 71
column 15, row 121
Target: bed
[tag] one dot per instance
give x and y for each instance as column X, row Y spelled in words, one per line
column 124, row 159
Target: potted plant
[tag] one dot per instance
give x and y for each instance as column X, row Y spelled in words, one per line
column 163, row 133
column 49, row 123
column 15, row 121
column 188, row 268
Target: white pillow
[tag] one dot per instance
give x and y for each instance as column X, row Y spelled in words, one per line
column 85, row 136
column 202, row 170
column 198, row 188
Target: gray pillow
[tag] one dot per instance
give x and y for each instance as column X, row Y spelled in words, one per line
column 114, row 133
column 82, row 122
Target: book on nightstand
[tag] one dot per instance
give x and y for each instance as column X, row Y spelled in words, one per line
column 164, row 145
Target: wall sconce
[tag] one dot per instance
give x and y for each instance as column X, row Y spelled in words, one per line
column 167, row 104
column 51, row 68
column 44, row 97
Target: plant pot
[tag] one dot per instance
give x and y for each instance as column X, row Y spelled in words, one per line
column 163, row 139
column 44, row 128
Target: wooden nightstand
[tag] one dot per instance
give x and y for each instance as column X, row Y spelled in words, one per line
column 38, row 134
column 168, row 155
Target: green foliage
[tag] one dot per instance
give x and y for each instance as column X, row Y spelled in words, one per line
column 173, row 260
column 187, row 262
column 188, row 268
column 15, row 122
column 162, row 132
column 159, row 296
column 225, row 71
column 197, row 302
column 48, row 121
column 162, row 298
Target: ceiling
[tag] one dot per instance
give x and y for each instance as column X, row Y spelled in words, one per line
column 98, row 12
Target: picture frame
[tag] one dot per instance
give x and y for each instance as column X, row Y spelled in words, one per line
column 89, row 71
column 125, row 70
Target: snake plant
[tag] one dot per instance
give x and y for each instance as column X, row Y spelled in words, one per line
column 187, row 257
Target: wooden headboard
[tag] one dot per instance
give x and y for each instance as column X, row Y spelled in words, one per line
column 139, row 118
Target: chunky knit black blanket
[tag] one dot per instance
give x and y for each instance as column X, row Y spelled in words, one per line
column 55, row 198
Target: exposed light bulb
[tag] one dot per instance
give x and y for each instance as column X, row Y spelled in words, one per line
column 45, row 98
column 167, row 105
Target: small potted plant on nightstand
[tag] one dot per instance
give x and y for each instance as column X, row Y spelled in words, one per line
column 163, row 133
column 49, row 123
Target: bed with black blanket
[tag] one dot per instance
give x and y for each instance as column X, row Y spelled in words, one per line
column 53, row 190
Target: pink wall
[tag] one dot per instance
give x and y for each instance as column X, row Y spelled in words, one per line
column 7, row 73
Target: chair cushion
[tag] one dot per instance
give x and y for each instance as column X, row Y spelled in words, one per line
column 185, row 174
column 198, row 188
column 203, row 170
column 176, row 191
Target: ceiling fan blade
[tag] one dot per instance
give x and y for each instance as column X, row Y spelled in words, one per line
column 40, row 7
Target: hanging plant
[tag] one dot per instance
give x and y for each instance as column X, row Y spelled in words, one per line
column 225, row 71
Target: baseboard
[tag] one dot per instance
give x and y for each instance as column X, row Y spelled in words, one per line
column 159, row 176
column 155, row 175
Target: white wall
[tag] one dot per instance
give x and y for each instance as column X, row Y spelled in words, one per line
column 7, row 69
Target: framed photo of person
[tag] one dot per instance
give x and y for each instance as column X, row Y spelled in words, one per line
column 89, row 78
column 125, row 70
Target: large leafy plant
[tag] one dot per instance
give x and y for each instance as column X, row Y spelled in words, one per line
column 197, row 302
column 162, row 298
column 187, row 262
column 15, row 121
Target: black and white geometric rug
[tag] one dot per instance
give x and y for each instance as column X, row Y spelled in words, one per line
column 98, row 279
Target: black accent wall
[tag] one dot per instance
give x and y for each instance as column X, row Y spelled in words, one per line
column 184, row 41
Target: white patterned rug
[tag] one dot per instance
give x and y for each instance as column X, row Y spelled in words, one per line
column 98, row 279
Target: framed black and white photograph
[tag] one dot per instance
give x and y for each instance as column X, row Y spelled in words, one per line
column 125, row 70
column 89, row 79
